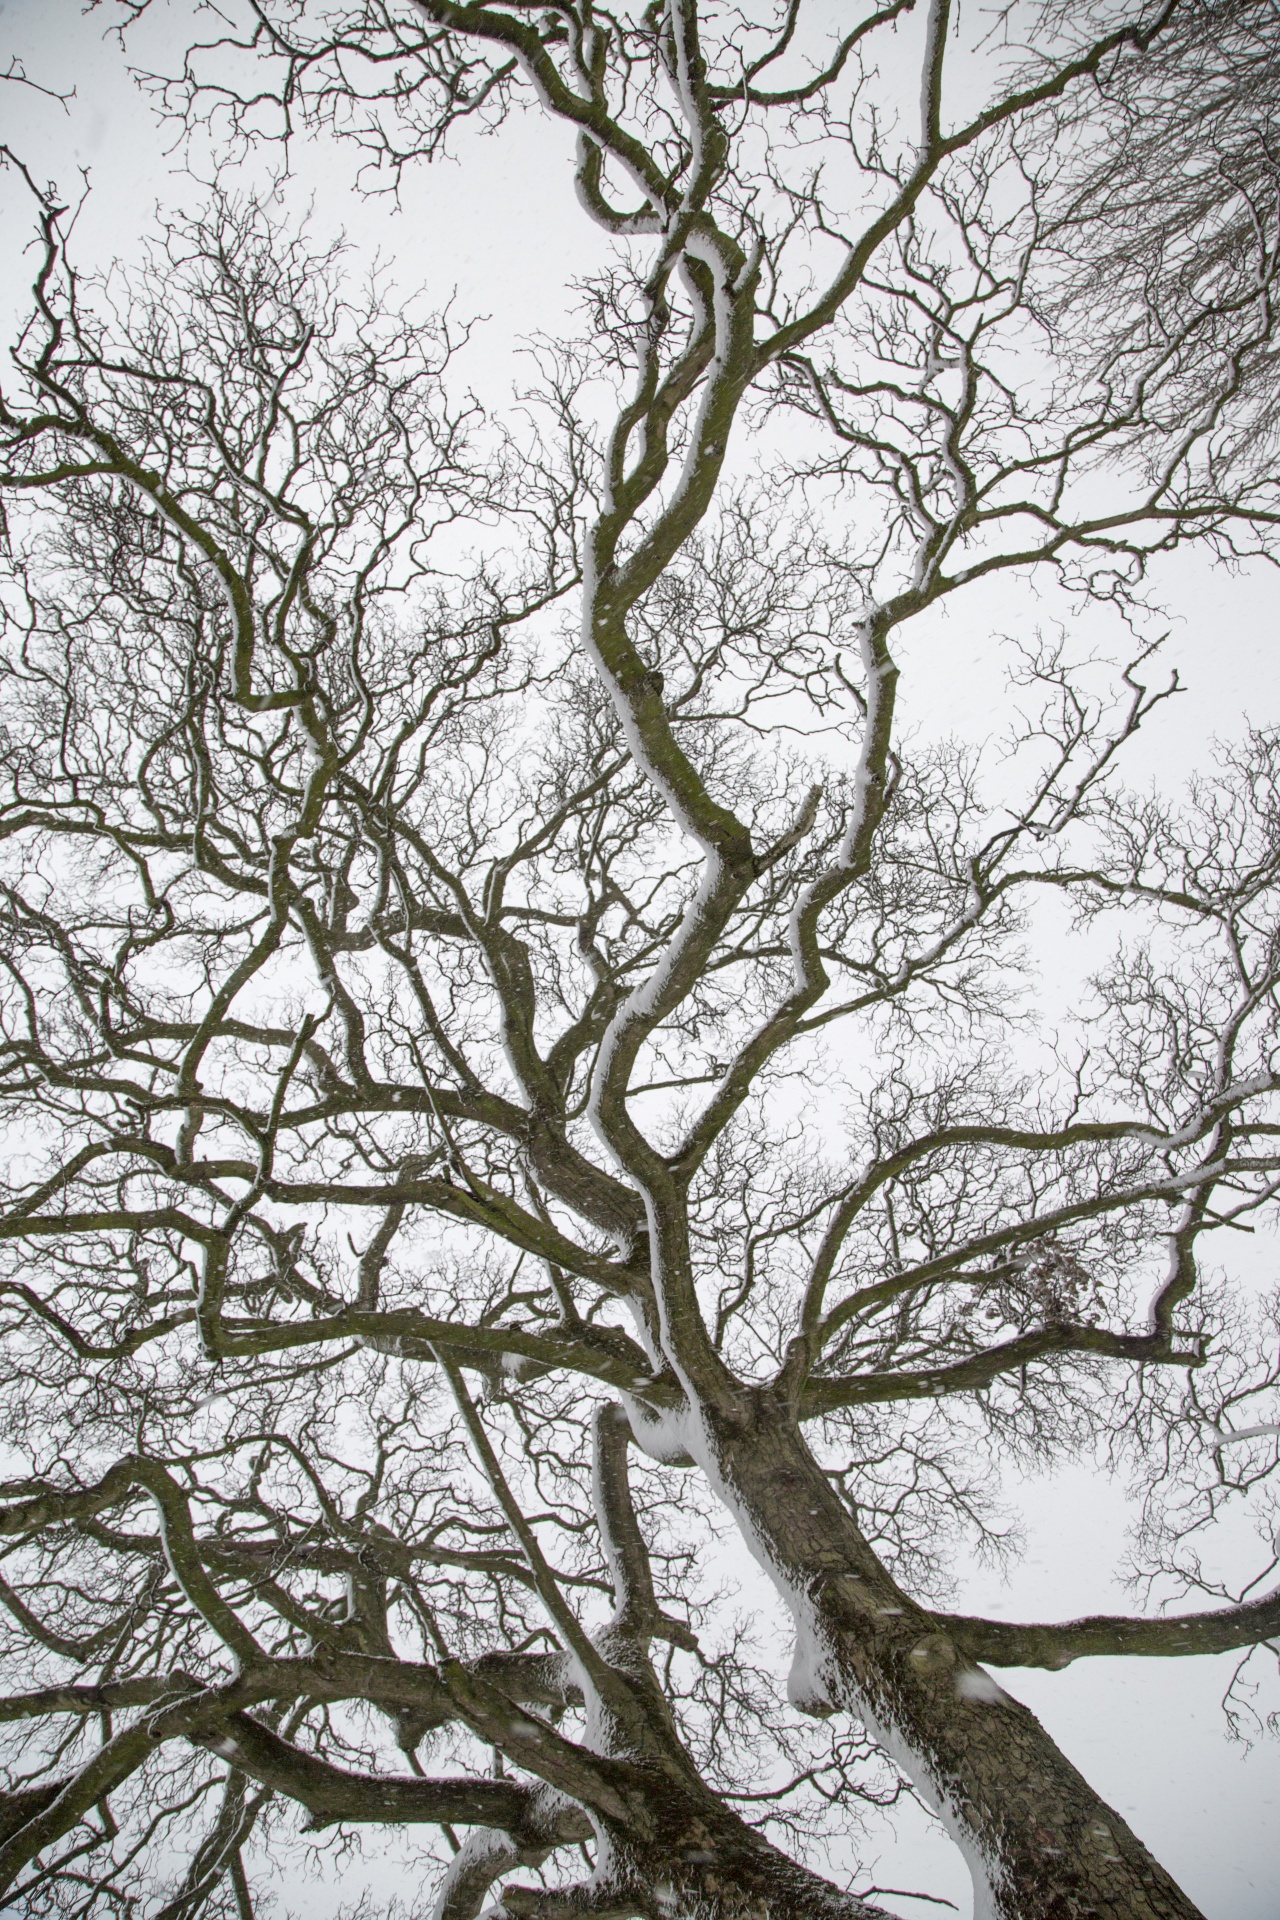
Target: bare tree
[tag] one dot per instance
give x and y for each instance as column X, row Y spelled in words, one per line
column 512, row 1066
column 1173, row 208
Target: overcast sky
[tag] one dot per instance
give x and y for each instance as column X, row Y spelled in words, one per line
column 501, row 231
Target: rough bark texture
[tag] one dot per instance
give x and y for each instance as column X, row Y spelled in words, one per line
column 1041, row 1843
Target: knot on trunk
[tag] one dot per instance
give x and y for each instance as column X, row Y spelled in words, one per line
column 934, row 1654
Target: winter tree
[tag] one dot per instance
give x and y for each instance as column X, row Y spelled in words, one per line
column 522, row 1082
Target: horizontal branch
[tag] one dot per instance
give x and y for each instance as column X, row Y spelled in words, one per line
column 111, row 1696
column 331, row 1794
column 607, row 1354
column 978, row 1370
column 532, row 1679
column 1004, row 1643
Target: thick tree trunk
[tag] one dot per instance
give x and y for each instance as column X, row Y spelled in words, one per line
column 700, row 1858
column 1040, row 1843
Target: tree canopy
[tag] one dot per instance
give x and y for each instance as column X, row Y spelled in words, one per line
column 518, row 1070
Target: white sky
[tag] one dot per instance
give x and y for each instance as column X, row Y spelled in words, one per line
column 504, row 232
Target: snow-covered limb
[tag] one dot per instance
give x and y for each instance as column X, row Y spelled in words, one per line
column 483, row 1857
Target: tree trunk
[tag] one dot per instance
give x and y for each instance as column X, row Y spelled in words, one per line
column 1039, row 1842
